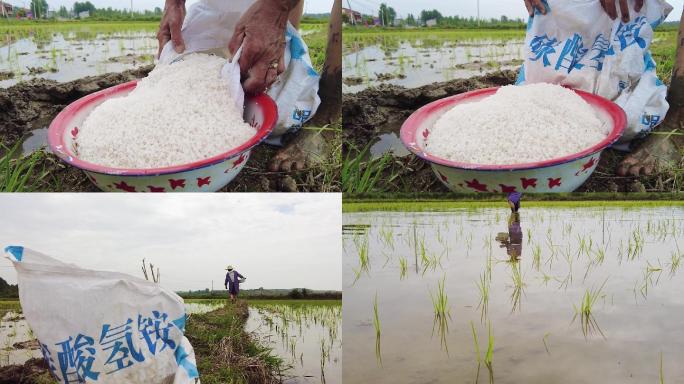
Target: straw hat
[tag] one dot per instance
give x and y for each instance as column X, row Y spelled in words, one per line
column 229, row 268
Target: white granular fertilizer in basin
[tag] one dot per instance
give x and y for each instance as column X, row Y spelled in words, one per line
column 517, row 124
column 180, row 113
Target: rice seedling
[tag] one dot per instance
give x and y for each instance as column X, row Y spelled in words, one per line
column 675, row 261
column 403, row 268
column 536, row 257
column 483, row 287
column 518, row 286
column 585, row 310
column 376, row 325
column 546, row 346
column 442, row 313
column 660, row 371
column 364, row 261
column 489, row 355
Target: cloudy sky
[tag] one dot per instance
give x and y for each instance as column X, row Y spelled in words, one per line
column 311, row 6
column 488, row 8
column 275, row 240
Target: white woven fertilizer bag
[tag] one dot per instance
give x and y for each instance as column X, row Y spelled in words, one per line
column 209, row 25
column 103, row 327
column 577, row 44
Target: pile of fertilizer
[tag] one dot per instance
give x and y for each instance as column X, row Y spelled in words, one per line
column 178, row 114
column 517, row 124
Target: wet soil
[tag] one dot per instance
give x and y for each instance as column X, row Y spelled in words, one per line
column 33, row 104
column 32, row 372
column 382, row 109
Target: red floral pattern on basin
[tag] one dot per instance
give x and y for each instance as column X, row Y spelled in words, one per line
column 204, row 175
column 564, row 174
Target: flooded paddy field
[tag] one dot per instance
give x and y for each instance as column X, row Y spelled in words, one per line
column 307, row 336
column 414, row 57
column 556, row 294
column 69, row 51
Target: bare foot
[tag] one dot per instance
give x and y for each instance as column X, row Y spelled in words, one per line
column 307, row 148
column 659, row 150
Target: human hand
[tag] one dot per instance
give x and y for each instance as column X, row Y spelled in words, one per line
column 607, row 5
column 261, row 32
column 531, row 5
column 170, row 26
column 611, row 10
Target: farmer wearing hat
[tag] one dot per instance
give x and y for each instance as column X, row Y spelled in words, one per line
column 232, row 283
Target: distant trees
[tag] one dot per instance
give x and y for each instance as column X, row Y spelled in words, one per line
column 428, row 15
column 410, row 19
column 83, row 7
column 63, row 12
column 39, row 8
column 387, row 14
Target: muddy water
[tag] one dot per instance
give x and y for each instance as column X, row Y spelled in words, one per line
column 636, row 316
column 310, row 342
column 72, row 55
column 16, row 340
column 415, row 62
column 192, row 308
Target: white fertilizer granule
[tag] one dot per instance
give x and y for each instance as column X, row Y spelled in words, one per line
column 180, row 113
column 517, row 124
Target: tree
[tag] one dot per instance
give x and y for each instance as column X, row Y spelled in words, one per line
column 410, row 19
column 63, row 12
column 433, row 14
column 83, row 7
column 157, row 11
column 386, row 14
column 39, row 8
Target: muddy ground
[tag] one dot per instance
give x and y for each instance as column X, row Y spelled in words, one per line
column 34, row 371
column 33, row 104
column 383, row 109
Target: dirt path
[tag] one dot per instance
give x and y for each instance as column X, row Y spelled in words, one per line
column 383, row 109
column 33, row 104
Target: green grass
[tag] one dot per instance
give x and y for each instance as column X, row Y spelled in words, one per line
column 21, row 173
column 225, row 352
column 498, row 201
column 361, row 172
column 8, row 305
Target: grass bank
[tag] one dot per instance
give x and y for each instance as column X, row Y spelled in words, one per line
column 226, row 353
column 452, row 202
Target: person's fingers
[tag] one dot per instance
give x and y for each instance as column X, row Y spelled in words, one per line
column 163, row 36
column 638, row 4
column 249, row 57
column 648, row 169
column 177, row 37
column 624, row 10
column 281, row 64
column 540, row 6
column 286, row 166
column 609, row 7
column 530, row 11
column 635, row 170
column 255, row 81
column 236, row 40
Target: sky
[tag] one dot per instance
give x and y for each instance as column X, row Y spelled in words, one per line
column 274, row 240
column 488, row 8
column 311, row 6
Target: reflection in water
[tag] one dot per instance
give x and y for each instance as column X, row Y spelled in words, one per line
column 512, row 240
column 410, row 61
column 597, row 265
